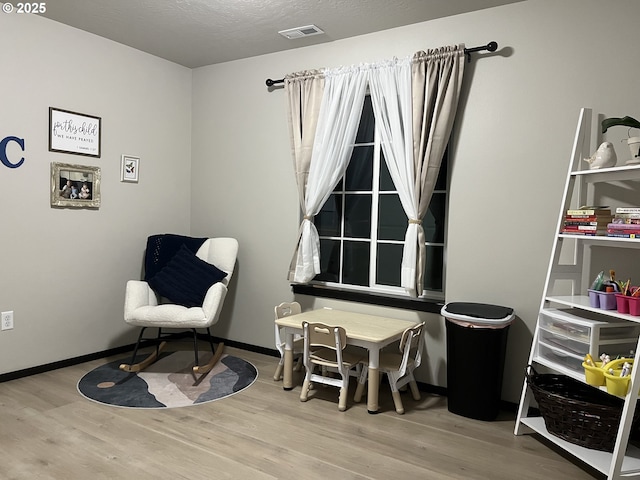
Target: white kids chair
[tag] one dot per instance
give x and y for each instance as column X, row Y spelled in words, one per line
column 324, row 346
column 399, row 366
column 284, row 310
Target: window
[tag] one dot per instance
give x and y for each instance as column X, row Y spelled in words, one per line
column 362, row 224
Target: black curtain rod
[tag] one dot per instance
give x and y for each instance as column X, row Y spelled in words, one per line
column 491, row 47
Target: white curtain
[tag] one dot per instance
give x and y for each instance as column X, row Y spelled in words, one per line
column 414, row 103
column 337, row 126
column 390, row 85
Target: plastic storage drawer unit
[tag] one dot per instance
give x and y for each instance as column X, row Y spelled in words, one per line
column 564, row 339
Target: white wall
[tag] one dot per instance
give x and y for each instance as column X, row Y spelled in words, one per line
column 511, row 152
column 63, row 271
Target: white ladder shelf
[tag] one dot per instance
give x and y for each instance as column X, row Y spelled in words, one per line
column 624, row 462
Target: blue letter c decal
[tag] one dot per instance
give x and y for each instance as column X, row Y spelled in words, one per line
column 3, row 151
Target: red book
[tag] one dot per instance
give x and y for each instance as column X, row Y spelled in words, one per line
column 585, row 218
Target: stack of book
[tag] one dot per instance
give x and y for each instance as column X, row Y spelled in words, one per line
column 587, row 221
column 625, row 223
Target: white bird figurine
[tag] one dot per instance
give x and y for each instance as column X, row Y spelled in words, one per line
column 604, row 157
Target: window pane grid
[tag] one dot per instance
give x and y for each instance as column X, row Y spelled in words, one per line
column 370, row 224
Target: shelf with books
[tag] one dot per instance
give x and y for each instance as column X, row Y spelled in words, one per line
column 586, row 220
column 576, row 253
column 626, row 218
column 625, row 223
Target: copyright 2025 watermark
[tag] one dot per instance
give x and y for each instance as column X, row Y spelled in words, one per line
column 21, row 8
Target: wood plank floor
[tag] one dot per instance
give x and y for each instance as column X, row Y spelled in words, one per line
column 49, row 431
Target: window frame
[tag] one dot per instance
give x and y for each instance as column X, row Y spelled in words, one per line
column 375, row 293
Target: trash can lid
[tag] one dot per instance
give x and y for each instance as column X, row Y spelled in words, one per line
column 480, row 314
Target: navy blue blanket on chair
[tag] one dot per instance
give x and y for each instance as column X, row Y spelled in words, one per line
column 161, row 248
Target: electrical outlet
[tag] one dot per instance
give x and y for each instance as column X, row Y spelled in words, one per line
column 7, row 320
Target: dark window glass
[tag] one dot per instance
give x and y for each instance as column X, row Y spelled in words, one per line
column 433, row 268
column 433, row 221
column 386, row 184
column 329, row 261
column 357, row 216
column 359, row 175
column 347, row 217
column 392, row 221
column 356, row 263
column 389, row 264
column 327, row 221
column 367, row 123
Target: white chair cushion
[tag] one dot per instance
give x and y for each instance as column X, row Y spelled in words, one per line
column 168, row 316
column 142, row 308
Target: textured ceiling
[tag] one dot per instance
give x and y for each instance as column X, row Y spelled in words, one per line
column 194, row 33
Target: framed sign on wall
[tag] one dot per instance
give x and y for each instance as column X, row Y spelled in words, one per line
column 71, row 132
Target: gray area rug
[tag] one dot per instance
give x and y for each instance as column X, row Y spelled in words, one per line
column 167, row 383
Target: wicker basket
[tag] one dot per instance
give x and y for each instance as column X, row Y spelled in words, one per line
column 576, row 412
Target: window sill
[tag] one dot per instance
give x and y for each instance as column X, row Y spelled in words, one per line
column 417, row 304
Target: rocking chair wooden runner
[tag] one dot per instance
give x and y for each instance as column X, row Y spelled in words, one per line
column 187, row 293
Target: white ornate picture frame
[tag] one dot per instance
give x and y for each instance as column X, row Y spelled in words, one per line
column 75, row 186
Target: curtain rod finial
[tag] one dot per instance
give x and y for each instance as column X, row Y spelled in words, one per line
column 492, row 46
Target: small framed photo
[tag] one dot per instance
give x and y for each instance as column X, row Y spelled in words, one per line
column 71, row 132
column 129, row 168
column 75, row 186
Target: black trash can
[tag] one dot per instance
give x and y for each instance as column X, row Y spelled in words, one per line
column 476, row 345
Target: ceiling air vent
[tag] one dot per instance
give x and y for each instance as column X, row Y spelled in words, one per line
column 300, row 32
